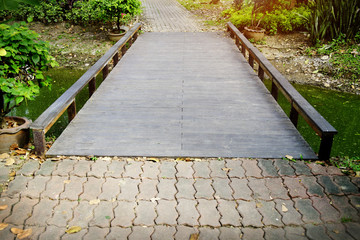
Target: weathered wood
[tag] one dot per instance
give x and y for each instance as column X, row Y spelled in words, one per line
column 261, row 73
column 72, row 111
column 325, row 147
column 251, row 60
column 39, row 141
column 92, row 86
column 116, row 59
column 294, row 116
column 274, row 90
column 105, row 71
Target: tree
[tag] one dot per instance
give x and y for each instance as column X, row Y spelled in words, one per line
column 14, row 4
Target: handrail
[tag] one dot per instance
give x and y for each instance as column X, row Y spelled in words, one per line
column 299, row 105
column 67, row 100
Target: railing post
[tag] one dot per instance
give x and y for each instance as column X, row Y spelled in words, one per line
column 274, row 91
column 325, row 147
column 135, row 36
column 92, row 86
column 294, row 116
column 71, row 111
column 123, row 50
column 251, row 60
column 105, row 71
column 39, row 142
column 243, row 49
column 116, row 58
column 261, row 73
column 237, row 42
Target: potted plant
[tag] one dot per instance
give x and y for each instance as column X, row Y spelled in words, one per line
column 22, row 61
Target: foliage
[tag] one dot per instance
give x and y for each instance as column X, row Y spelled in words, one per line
column 22, row 61
column 347, row 163
column 14, row 4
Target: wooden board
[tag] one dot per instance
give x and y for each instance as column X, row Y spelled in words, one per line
column 182, row 94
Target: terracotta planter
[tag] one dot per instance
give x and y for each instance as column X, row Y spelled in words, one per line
column 115, row 36
column 19, row 135
column 255, row 34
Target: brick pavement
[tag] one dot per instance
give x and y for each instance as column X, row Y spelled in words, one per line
column 123, row 198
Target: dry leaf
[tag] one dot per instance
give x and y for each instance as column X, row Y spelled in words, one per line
column 21, row 151
column 67, row 181
column 194, row 236
column 259, row 205
column 12, row 174
column 3, row 207
column 226, row 169
column 9, row 162
column 284, row 208
column 4, row 155
column 336, row 231
column 16, row 231
column 154, row 199
column 14, row 146
column 357, row 174
column 24, row 234
column 153, row 159
column 3, row 226
column 73, row 229
column 94, row 201
column 289, row 157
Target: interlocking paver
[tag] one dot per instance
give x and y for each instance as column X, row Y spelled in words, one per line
column 316, row 232
column 81, row 168
column 208, row 233
column 251, row 168
column 308, row 212
column 217, row 169
column 133, row 169
column 16, row 186
column 163, row 232
column 188, row 214
column 145, row 213
column 42, row 212
column 259, row 189
column 184, row 232
column 209, row 215
column 235, row 169
column 201, row 169
column 184, row 169
column 35, row 186
column 52, row 232
column 110, row 189
column 284, row 167
column 301, row 168
column 227, row 233
column 167, row 189
column 46, row 168
column 295, row 233
column 241, row 191
column 337, row 231
column 347, row 211
column 270, row 215
column 274, row 233
column 276, row 187
column 267, row 168
column 222, row 188
column 21, row 211
column 166, row 211
column 185, row 188
column 353, row 229
column 124, row 214
column 167, row 169
column 332, row 170
column 92, row 188
column 98, row 168
column 204, row 188
column 96, row 233
column 73, row 188
column 62, row 213
column 312, row 186
column 317, row 169
column 249, row 213
column 295, row 188
column 10, row 202
column 118, row 233
column 150, row 170
column 54, row 187
column 289, row 214
column 345, row 185
column 115, row 169
column 103, row 214
column 29, row 168
column 83, row 214
column 128, row 189
column 329, row 185
column 4, row 174
column 148, row 189
column 355, row 201
column 327, row 212
column 36, row 232
column 229, row 215
column 252, row 234
column 64, row 167
column 141, row 233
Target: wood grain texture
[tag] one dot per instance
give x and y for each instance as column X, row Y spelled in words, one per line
column 182, row 94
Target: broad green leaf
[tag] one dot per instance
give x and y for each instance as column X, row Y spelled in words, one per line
column 19, row 100
column 35, row 58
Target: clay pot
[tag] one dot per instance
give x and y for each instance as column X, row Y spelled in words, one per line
column 19, row 135
column 115, row 36
column 256, row 34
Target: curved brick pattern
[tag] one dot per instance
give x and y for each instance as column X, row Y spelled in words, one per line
column 229, row 215
column 241, row 191
column 115, row 169
column 260, row 191
column 42, row 212
column 81, row 168
column 355, row 201
column 184, row 232
column 252, row 234
column 295, row 233
column 21, row 211
column 166, row 189
column 96, row 233
column 249, row 213
column 166, row 211
column 148, row 189
column 346, row 185
column 356, row 181
column 150, row 170
column 269, row 213
column 230, row 233
column 167, row 169
column 301, row 168
column 201, row 169
column 204, row 189
column 316, row 232
column 10, row 202
column 313, row 188
column 145, row 213
column 332, row 170
column 185, row 188
column 128, row 189
column 188, row 214
column 327, row 212
column 110, row 189
column 235, row 168
column 83, row 214
column 124, row 214
column 251, row 168
column 267, row 168
column 317, row 169
column 337, row 231
column 54, row 187
column 308, row 212
column 133, row 169
column 35, row 187
column 217, row 168
column 141, row 233
column 222, row 188
column 329, row 186
column 209, row 234
column 184, row 169
column 163, row 232
column 53, row 232
column 16, row 186
column 209, row 216
column 46, row 168
column 29, row 168
column 289, row 214
column 4, row 174
column 103, row 214
column 73, row 189
column 62, row 213
column 92, row 188
column 118, row 233
column 284, row 167
column 353, row 229
column 295, row 188
column 98, row 169
column 346, row 210
column 274, row 233
column 64, row 167
column 276, row 187
column 36, row 232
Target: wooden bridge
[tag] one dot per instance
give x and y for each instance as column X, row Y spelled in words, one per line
column 183, row 94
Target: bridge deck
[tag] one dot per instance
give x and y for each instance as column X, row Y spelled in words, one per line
column 182, row 94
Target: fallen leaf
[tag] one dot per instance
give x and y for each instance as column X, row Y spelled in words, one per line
column 73, row 229
column 107, row 217
column 284, row 208
column 94, row 201
column 357, row 205
column 3, row 207
column 4, row 155
column 24, row 234
column 226, row 169
column 3, row 226
column 194, row 236
column 259, row 205
column 336, row 231
column 154, row 199
column 153, row 159
column 12, row 174
column 16, row 231
column 67, row 181
column 14, row 146
column 357, row 174
column 21, row 151
column 9, row 162
column 289, row 157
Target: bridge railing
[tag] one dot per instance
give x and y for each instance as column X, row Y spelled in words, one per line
column 66, row 102
column 299, row 105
